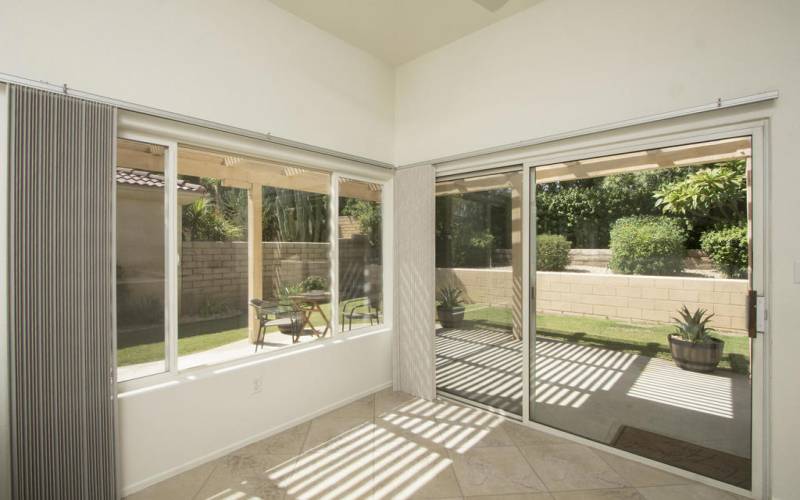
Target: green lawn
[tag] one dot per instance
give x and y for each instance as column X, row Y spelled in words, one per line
column 147, row 344
column 647, row 340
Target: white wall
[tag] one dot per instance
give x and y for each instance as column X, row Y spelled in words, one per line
column 247, row 64
column 563, row 65
column 168, row 429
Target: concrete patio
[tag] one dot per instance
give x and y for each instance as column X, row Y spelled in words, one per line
column 593, row 392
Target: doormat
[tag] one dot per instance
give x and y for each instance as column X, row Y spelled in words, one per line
column 709, row 462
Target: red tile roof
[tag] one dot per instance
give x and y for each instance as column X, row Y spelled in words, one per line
column 143, row 178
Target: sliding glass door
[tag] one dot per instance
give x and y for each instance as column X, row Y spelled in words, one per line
column 641, row 272
column 479, row 290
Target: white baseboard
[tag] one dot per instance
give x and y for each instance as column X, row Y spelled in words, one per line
column 161, row 476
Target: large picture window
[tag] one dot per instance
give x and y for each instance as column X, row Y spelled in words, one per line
column 253, row 267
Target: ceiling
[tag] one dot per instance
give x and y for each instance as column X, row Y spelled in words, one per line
column 398, row 31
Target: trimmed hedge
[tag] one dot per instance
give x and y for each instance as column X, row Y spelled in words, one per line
column 552, row 252
column 727, row 249
column 650, row 245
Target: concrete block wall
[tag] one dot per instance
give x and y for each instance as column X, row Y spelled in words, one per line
column 215, row 272
column 637, row 299
column 291, row 263
column 646, row 299
column 479, row 286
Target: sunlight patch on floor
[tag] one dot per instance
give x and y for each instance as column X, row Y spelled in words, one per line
column 700, row 392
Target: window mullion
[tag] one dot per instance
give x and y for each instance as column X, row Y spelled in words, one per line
column 334, row 253
column 172, row 258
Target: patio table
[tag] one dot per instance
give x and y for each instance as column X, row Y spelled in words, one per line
column 309, row 303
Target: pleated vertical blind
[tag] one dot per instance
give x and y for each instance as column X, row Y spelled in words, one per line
column 61, row 296
column 414, row 261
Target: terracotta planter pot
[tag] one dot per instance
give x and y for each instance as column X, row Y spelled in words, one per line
column 451, row 318
column 695, row 357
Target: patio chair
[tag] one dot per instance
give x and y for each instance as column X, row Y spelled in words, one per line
column 361, row 309
column 288, row 319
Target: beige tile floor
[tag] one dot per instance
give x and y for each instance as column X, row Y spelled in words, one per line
column 390, row 445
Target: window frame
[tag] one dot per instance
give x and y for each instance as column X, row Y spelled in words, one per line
column 387, row 245
column 172, row 374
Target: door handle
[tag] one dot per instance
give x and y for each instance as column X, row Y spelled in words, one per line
column 752, row 311
column 756, row 314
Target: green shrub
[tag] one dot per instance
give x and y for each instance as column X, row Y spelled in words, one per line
column 313, row 282
column 647, row 245
column 552, row 252
column 727, row 249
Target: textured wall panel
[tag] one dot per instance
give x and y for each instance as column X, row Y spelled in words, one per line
column 414, row 356
column 61, row 296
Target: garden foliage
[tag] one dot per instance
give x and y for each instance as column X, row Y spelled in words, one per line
column 727, row 248
column 552, row 252
column 716, row 195
column 653, row 245
column 287, row 215
column 583, row 210
column 471, row 226
column 367, row 214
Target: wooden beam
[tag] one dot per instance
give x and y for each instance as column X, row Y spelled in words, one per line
column 255, row 258
column 473, row 184
column 133, row 155
column 678, row 156
column 237, row 171
column 516, row 254
column 369, row 191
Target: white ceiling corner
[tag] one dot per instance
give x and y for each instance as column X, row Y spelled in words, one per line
column 398, row 31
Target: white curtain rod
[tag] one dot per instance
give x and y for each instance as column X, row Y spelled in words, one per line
column 719, row 103
column 138, row 108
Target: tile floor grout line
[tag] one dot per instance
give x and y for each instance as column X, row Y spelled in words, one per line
column 305, row 436
column 213, row 470
column 519, row 450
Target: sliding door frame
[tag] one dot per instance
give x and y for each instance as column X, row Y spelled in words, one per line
column 510, row 169
column 752, row 121
column 757, row 131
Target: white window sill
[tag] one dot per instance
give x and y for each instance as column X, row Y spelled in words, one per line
column 141, row 385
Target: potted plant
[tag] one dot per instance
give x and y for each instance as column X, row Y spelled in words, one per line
column 450, row 308
column 692, row 346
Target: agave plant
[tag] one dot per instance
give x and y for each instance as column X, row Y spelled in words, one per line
column 692, row 326
column 449, row 297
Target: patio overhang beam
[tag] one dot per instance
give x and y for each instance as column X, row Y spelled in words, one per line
column 678, row 156
column 473, row 185
column 237, row 171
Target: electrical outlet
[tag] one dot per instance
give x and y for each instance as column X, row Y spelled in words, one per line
column 257, row 386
